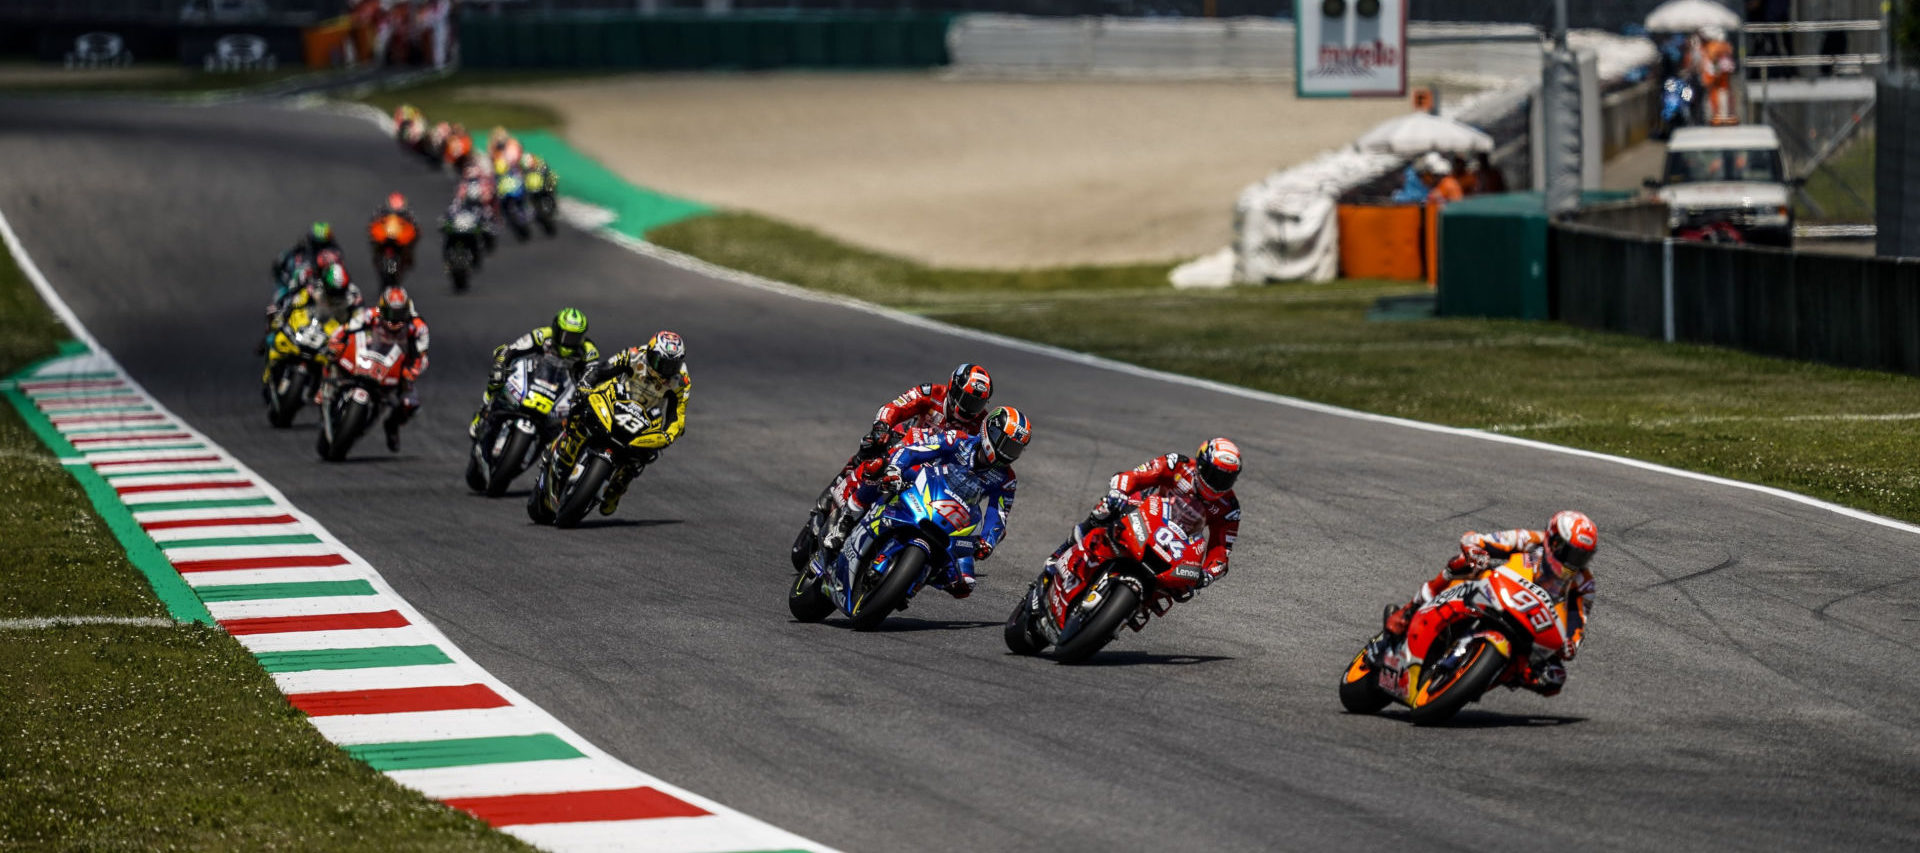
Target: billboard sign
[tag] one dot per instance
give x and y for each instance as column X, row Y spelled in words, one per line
column 1350, row 48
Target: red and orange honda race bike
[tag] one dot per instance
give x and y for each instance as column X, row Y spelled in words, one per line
column 366, row 373
column 1118, row 575
column 392, row 238
column 1496, row 629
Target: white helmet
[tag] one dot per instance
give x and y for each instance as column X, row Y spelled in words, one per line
column 1713, row 34
column 1435, row 163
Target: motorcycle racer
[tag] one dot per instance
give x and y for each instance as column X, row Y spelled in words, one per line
column 395, row 316
column 393, row 223
column 1566, row 547
column 331, row 296
column 477, row 198
column 656, row 377
column 564, row 338
column 319, row 238
column 979, row 464
column 1207, row 477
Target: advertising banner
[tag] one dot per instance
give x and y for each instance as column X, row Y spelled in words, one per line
column 1350, row 48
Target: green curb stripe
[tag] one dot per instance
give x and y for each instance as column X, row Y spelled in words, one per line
column 71, row 377
column 378, row 656
column 290, row 589
column 216, row 503
column 288, row 539
column 82, row 392
column 103, row 410
column 168, row 586
column 419, row 755
column 171, row 472
column 150, row 447
column 637, row 210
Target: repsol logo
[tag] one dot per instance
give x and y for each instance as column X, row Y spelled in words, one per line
column 98, row 49
column 240, row 52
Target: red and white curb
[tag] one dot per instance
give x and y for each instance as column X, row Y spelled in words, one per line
column 372, row 673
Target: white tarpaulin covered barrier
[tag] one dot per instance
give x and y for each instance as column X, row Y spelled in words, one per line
column 1284, row 225
column 1414, row 134
column 1686, row 16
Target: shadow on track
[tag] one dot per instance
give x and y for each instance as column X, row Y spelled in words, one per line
column 1124, row 658
column 1476, row 719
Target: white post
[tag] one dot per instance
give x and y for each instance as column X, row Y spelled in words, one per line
column 1666, row 287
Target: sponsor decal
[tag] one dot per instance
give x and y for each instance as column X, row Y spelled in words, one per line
column 1351, row 49
column 241, row 52
column 98, row 50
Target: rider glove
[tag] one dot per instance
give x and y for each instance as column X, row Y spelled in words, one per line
column 982, row 550
column 874, row 442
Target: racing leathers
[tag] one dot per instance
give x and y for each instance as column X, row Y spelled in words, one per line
column 403, row 233
column 320, row 306
column 307, row 253
column 665, row 394
column 540, row 340
column 1571, row 589
column 1172, row 474
column 414, row 334
column 922, row 407
column 987, row 488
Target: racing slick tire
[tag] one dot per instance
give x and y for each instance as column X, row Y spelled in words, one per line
column 476, row 476
column 874, row 604
column 1019, row 628
column 349, row 425
column 1102, row 626
column 1360, row 691
column 583, row 494
column 286, row 393
column 806, row 600
column 1484, row 665
column 506, row 465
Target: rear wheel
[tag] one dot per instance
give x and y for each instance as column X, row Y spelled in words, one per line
column 506, row 465
column 583, row 493
column 1450, row 692
column 1019, row 628
column 1100, row 628
column 806, row 600
column 1360, row 691
column 875, row 598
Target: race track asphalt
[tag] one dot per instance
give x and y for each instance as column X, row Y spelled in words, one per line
column 1750, row 681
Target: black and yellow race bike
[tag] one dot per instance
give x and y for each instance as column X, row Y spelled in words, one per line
column 609, row 428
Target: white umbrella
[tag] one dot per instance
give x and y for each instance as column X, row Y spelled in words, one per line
column 1418, row 133
column 1686, row 16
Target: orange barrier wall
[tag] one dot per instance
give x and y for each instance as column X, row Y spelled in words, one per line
column 1382, row 241
column 326, row 41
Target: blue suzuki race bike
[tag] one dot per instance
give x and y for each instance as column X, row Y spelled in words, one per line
column 901, row 543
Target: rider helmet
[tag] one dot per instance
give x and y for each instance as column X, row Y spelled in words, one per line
column 665, row 354
column 1217, row 466
column 1572, row 539
column 569, row 332
column 473, row 193
column 326, row 258
column 1003, row 437
column 396, row 203
column 334, row 281
column 967, row 393
column 395, row 309
column 320, row 234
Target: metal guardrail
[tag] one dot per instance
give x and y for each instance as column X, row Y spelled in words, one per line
column 1836, row 232
column 1811, row 27
column 1814, row 59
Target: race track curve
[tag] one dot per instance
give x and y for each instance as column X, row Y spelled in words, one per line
column 1750, row 680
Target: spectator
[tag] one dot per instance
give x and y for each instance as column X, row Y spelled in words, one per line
column 1716, row 69
column 1413, row 189
column 1442, row 186
column 1486, row 178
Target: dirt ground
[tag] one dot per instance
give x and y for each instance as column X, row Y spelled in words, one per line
column 962, row 172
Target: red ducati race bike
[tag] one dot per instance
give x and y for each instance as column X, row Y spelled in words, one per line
column 1119, row 575
column 1495, row 630
column 365, row 375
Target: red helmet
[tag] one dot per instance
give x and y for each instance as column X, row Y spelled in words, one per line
column 1217, row 466
column 968, row 392
column 1572, row 539
column 395, row 309
column 396, row 201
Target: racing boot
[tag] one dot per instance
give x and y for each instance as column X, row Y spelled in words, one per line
column 1394, row 620
column 848, row 520
column 616, row 487
column 393, row 437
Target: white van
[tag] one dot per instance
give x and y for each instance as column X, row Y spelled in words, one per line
column 1728, row 174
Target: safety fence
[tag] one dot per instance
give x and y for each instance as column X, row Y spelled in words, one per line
column 1849, row 311
column 686, row 42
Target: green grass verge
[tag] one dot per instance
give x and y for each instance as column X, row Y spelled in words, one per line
column 1794, row 425
column 1851, row 169
column 452, row 98
column 152, row 738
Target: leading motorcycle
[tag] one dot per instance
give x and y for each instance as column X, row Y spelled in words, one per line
column 1118, row 575
column 528, row 413
column 392, row 238
column 600, row 436
column 902, row 541
column 1497, row 629
column 366, row 373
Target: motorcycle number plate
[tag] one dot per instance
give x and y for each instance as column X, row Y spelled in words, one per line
column 538, row 402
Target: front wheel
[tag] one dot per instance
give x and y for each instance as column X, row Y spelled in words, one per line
column 1447, row 693
column 1102, row 626
column 806, row 600
column 537, row 509
column 506, row 465
column 349, row 421
column 875, row 598
column 581, row 495
column 285, row 394
column 1019, row 628
column 1360, row 691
